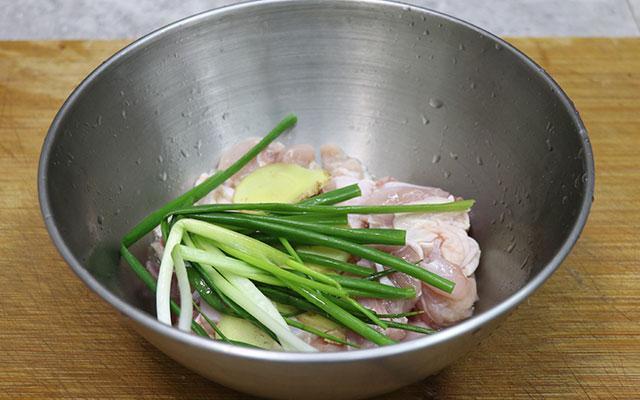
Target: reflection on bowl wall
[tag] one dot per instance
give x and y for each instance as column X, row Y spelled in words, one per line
column 412, row 93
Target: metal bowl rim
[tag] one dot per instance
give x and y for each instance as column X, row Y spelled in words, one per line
column 468, row 326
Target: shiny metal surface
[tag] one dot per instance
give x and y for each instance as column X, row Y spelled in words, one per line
column 412, row 93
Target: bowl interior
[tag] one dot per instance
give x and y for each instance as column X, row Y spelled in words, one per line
column 413, row 95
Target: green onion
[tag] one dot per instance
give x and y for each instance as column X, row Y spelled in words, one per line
column 288, row 297
column 391, row 324
column 365, row 252
column 379, row 274
column 367, row 313
column 290, row 249
column 242, row 247
column 173, row 260
column 236, row 310
column 231, row 307
column 375, row 288
column 206, row 293
column 145, row 276
column 212, row 324
column 284, row 275
column 454, row 206
column 333, row 263
column 343, row 317
column 318, row 332
column 334, row 196
column 227, row 264
column 412, row 328
column 401, row 315
column 198, row 192
column 393, row 237
column 255, row 308
column 320, row 219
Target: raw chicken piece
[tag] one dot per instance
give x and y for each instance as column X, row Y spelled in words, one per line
column 444, row 309
column 346, row 171
column 390, row 192
column 423, row 228
column 453, row 243
column 336, row 182
column 337, row 163
column 394, row 192
column 438, row 241
column 267, row 156
column 437, row 264
column 302, row 154
column 223, row 194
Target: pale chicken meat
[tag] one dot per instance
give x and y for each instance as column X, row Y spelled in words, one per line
column 439, row 242
column 303, row 155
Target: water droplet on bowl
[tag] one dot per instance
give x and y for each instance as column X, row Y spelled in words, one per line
column 497, row 46
column 100, row 219
column 447, row 174
column 453, row 155
column 435, row 103
column 435, row 159
column 479, row 161
column 162, row 176
column 425, row 120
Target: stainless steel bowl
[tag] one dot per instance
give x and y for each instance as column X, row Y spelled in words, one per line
column 412, row 93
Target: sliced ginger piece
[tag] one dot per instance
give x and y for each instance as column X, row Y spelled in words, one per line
column 244, row 331
column 280, row 183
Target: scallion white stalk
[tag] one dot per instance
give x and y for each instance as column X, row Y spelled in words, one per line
column 163, row 291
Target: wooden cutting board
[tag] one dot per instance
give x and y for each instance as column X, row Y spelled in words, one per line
column 577, row 337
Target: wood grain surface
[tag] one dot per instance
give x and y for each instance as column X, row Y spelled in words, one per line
column 577, row 337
